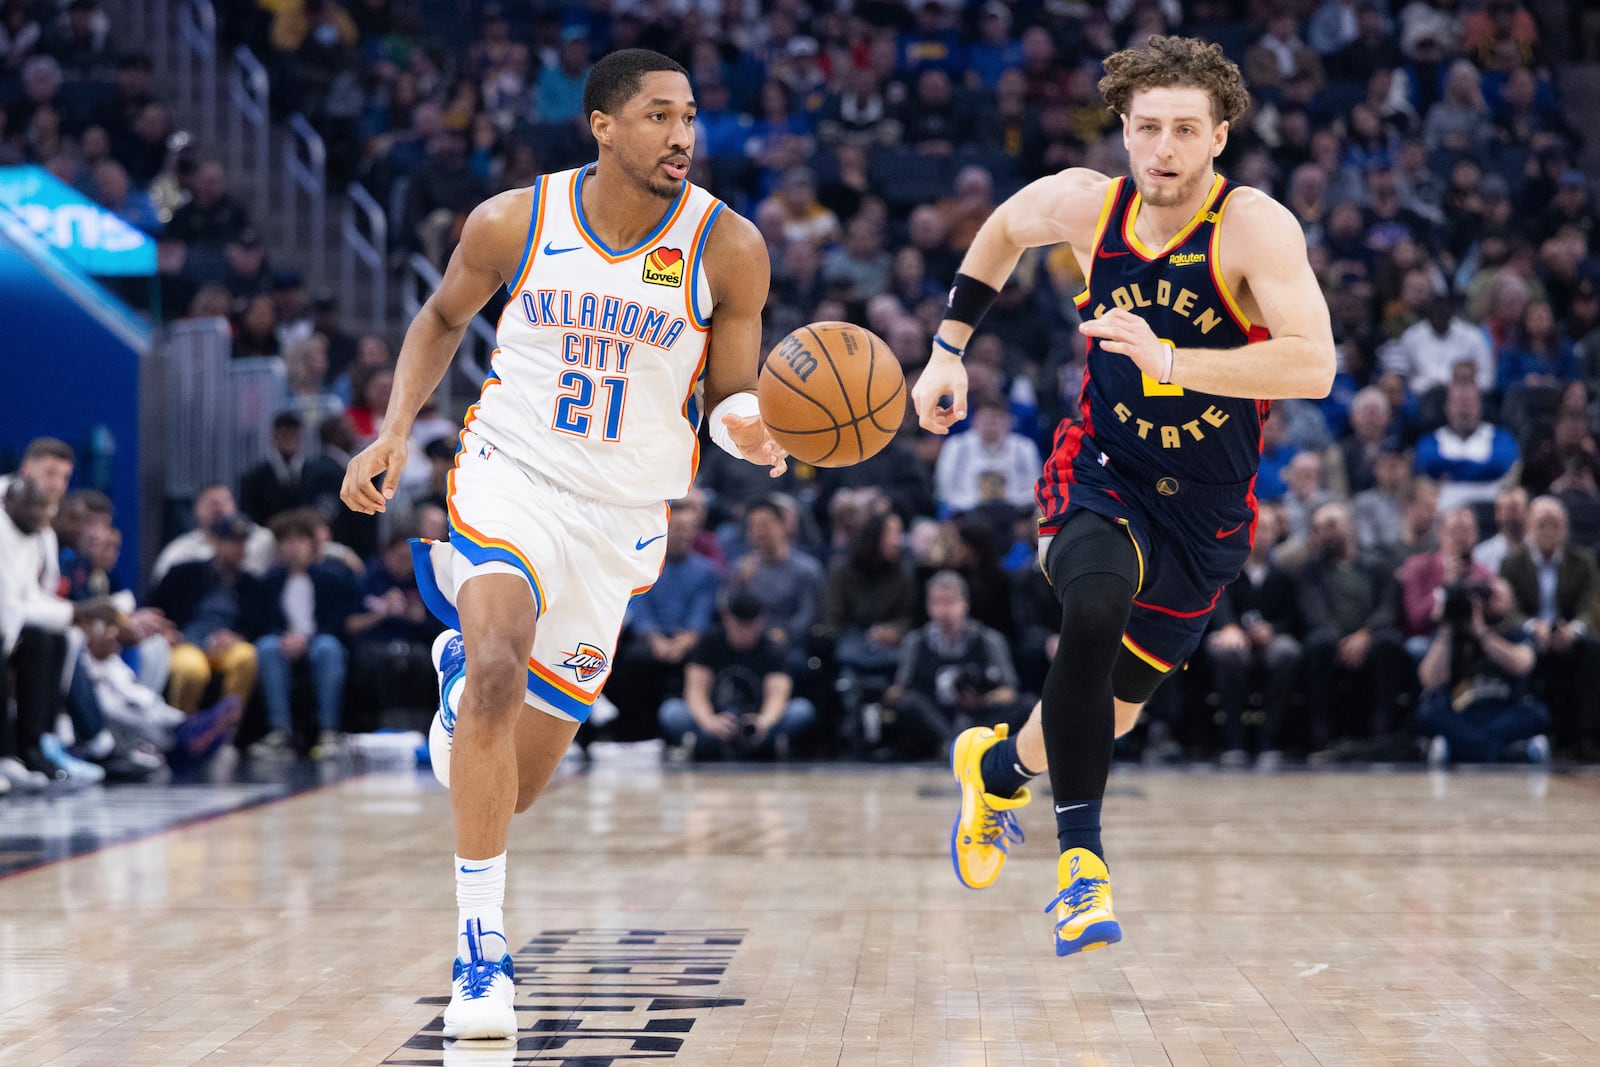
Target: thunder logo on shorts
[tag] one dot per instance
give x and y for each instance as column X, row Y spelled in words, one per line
column 587, row 662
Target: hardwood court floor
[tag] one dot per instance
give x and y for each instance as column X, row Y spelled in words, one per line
column 808, row 916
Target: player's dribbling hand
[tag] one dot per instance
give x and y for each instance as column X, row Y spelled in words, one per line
column 944, row 376
column 755, row 443
column 1127, row 334
column 385, row 456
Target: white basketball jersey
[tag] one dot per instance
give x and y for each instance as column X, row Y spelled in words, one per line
column 597, row 380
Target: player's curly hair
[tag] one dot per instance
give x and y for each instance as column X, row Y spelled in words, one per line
column 1176, row 61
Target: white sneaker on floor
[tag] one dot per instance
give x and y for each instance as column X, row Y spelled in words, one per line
column 450, row 665
column 275, row 745
column 1438, row 752
column 481, row 994
column 1539, row 750
column 19, row 778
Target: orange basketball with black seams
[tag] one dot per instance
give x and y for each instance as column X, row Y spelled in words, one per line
column 832, row 394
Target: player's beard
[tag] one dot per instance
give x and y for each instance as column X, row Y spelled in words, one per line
column 1167, row 194
column 654, row 181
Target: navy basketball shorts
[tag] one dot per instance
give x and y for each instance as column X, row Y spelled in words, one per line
column 1191, row 539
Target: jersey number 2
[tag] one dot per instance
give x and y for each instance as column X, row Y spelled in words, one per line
column 572, row 406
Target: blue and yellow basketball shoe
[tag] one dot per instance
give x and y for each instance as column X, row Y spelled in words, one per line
column 481, row 992
column 1083, row 907
column 450, row 663
column 985, row 827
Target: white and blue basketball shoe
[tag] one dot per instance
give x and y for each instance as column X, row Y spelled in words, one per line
column 450, row 663
column 481, row 992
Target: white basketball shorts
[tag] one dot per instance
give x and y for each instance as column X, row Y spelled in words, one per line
column 583, row 559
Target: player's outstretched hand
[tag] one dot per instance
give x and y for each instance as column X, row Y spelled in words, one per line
column 755, row 443
column 1127, row 334
column 385, row 456
column 944, row 376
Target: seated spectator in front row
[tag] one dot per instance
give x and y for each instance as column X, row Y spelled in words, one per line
column 1511, row 529
column 737, row 698
column 1556, row 586
column 208, row 601
column 1253, row 635
column 1426, row 577
column 787, row 582
column 872, row 598
column 1470, row 458
column 303, row 611
column 211, row 503
column 1475, row 702
column 1347, row 604
column 991, row 464
column 391, row 637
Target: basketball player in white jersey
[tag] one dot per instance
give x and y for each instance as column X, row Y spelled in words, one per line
column 635, row 304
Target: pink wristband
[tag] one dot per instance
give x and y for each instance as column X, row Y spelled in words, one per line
column 1166, row 375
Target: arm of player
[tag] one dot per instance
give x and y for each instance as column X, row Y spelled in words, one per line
column 490, row 250
column 1298, row 360
column 1060, row 207
column 737, row 266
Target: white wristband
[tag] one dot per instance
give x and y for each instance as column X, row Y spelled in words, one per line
column 741, row 404
column 1166, row 375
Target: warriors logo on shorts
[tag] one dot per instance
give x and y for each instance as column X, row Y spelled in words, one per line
column 588, row 662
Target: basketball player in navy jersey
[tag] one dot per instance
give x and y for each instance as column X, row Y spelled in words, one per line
column 1200, row 309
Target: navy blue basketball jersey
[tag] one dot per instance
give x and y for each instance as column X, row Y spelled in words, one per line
column 1180, row 292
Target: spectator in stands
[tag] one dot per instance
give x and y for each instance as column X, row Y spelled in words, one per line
column 113, row 192
column 1253, row 637
column 953, row 672
column 858, row 270
column 737, row 698
column 1427, row 353
column 1350, row 461
column 211, row 217
column 81, row 42
column 1426, row 578
column 1279, row 56
column 804, row 219
column 304, row 607
column 1379, row 512
column 989, row 465
column 277, row 484
column 559, row 93
column 788, row 583
column 666, row 623
column 1460, row 122
column 1304, row 493
column 292, row 307
column 1469, row 457
column 35, row 625
column 213, row 502
column 305, row 364
column 1347, row 605
column 1511, row 528
column 209, row 601
column 872, row 598
column 442, row 192
column 257, row 331
column 1475, row 702
column 1557, row 589
column 248, row 273
column 391, row 636
column 1566, row 459
column 20, row 35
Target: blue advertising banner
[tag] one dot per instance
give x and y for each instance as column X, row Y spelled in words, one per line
column 81, row 231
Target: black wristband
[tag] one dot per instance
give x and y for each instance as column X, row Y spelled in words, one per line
column 969, row 300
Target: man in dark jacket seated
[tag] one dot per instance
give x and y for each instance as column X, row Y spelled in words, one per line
column 302, row 613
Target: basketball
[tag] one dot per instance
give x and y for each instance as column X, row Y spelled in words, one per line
column 832, row 394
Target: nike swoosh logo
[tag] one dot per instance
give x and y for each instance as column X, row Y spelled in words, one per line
column 1069, row 807
column 1103, row 254
column 550, row 249
column 1223, row 534
column 472, row 870
column 640, row 546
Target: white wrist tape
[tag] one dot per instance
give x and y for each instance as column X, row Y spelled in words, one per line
column 742, row 404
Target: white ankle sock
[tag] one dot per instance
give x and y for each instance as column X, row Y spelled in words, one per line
column 481, row 895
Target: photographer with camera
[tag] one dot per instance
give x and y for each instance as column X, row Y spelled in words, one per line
column 1425, row 576
column 737, row 699
column 1475, row 704
column 955, row 672
column 1556, row 586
